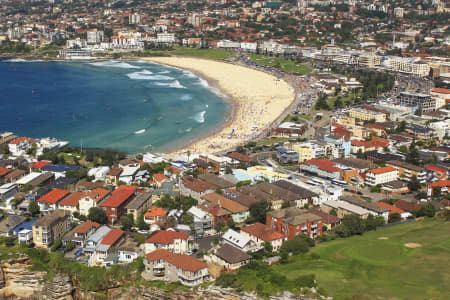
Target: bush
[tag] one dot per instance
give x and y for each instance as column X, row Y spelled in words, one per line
column 56, row 245
column 70, row 246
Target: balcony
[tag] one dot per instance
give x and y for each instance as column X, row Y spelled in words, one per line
column 159, row 272
column 190, row 280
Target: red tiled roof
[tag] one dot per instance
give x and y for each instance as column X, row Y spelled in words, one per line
column 262, row 232
column 54, row 196
column 119, row 196
column 239, row 156
column 166, row 237
column 40, row 164
column 392, row 208
column 440, row 91
column 382, row 170
column 230, row 205
column 160, row 177
column 435, row 169
column 407, row 206
column 18, row 140
column 182, row 261
column 112, row 237
column 83, row 228
column 98, row 194
column 155, row 212
column 4, row 171
column 323, row 164
column 197, row 185
column 441, row 183
column 72, row 199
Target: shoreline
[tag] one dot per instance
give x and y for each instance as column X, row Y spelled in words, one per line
column 246, row 90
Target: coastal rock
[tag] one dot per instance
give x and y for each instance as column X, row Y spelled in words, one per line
column 60, row 288
column 19, row 281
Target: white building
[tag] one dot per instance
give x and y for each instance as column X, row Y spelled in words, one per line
column 381, row 175
column 239, row 241
column 19, row 146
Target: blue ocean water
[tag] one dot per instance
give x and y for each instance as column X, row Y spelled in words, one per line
column 103, row 104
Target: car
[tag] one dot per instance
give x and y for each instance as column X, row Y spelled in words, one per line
column 359, row 193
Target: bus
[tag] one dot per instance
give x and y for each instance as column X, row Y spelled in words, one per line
column 339, row 182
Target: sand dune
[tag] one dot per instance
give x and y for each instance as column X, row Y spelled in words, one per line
column 258, row 99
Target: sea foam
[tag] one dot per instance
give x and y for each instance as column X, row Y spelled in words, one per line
column 200, row 117
column 173, row 84
column 147, row 75
column 186, row 97
column 114, row 64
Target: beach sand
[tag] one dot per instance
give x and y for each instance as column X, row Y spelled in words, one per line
column 257, row 98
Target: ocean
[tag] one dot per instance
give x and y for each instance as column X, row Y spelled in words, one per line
column 132, row 106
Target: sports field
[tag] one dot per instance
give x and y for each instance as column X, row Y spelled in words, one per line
column 379, row 264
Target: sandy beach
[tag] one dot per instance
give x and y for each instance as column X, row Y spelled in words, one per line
column 257, row 99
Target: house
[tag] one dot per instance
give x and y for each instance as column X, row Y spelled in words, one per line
column 159, row 179
column 94, row 239
column 165, row 265
column 107, row 245
column 406, row 170
column 139, row 204
column 35, row 179
column 174, row 241
column 215, row 180
column 25, row 236
column 50, row 201
column 321, row 167
column 408, row 206
column 8, row 190
column 381, row 175
column 202, row 220
column 8, row 224
column 287, row 156
column 59, row 170
column 114, row 205
column 303, row 195
column 18, row 146
column 435, row 171
column 260, row 234
column 229, row 257
column 92, row 199
column 219, row 214
column 371, row 207
column 343, row 208
column 196, row 188
column 155, row 215
column 112, row 177
column 50, row 228
column 14, row 175
column 443, row 185
column 393, row 210
column 395, row 187
column 81, row 233
column 239, row 241
column 3, row 173
column 241, row 158
column 329, row 221
column 71, row 202
column 129, row 251
column 238, row 211
column 128, row 173
column 292, row 221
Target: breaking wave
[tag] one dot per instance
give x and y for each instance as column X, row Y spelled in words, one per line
column 114, row 64
column 174, row 84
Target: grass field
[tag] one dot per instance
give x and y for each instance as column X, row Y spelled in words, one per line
column 282, row 64
column 202, row 53
column 366, row 267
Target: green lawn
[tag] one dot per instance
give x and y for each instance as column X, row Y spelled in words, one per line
column 366, row 267
column 270, row 141
column 286, row 65
column 298, row 117
column 202, row 53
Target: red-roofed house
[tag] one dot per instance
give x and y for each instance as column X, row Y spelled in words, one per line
column 71, row 202
column 321, row 167
column 3, row 173
column 260, row 233
column 155, row 215
column 40, row 164
column 110, row 241
column 394, row 210
column 80, row 234
column 407, row 206
column 381, row 175
column 174, row 241
column 165, row 265
column 49, row 201
column 19, row 145
column 196, row 188
column 440, row 173
column 440, row 95
column 114, row 206
column 159, row 179
column 92, row 199
column 443, row 184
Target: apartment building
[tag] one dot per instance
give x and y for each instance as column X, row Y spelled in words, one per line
column 293, row 221
column 51, row 227
column 425, row 102
column 406, row 170
column 114, row 206
column 381, row 175
column 367, row 115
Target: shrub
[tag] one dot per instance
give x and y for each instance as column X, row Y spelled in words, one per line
column 56, row 245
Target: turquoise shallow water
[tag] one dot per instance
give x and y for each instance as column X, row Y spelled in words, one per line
column 103, row 104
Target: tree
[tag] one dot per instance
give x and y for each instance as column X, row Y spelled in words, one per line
column 437, row 190
column 141, row 223
column 231, row 224
column 187, row 219
column 371, row 223
column 414, row 184
column 127, row 221
column 33, row 207
column 56, row 245
column 268, row 248
column 413, row 154
column 70, row 246
column 395, row 217
column 427, row 210
column 98, row 215
column 421, row 195
column 259, row 210
column 354, row 224
column 297, row 245
column 333, row 212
